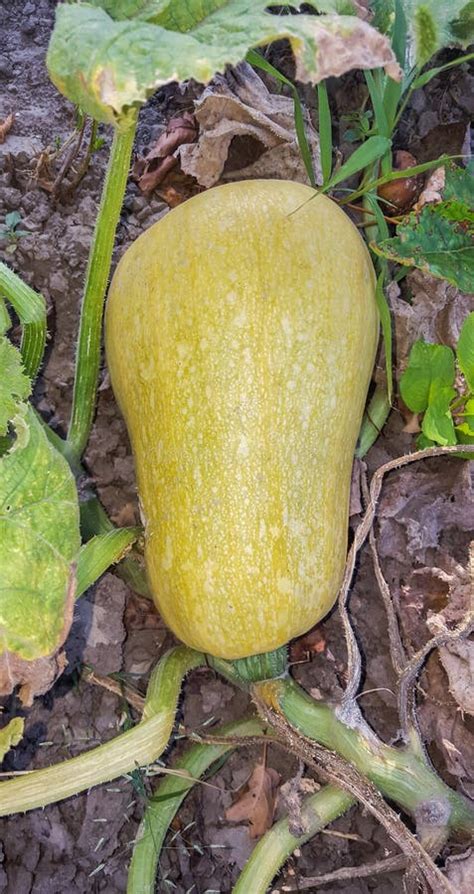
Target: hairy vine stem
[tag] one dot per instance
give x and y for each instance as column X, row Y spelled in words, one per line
column 97, row 276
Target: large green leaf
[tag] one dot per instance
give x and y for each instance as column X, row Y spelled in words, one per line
column 109, row 66
column 39, row 536
column 15, row 386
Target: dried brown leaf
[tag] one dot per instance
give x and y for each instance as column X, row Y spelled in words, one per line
column 359, row 46
column 457, row 658
column 151, row 170
column 435, row 313
column 257, row 804
column 432, row 189
column 460, row 872
column 245, row 132
column 6, row 126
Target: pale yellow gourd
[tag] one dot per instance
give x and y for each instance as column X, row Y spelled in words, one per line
column 241, row 332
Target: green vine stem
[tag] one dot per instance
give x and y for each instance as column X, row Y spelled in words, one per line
column 375, row 417
column 98, row 269
column 138, row 746
column 100, row 552
column 170, row 794
column 273, row 850
column 397, row 772
column 31, row 309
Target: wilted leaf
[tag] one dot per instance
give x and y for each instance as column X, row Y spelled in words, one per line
column 460, row 184
column 152, row 169
column 238, row 107
column 257, row 804
column 39, row 533
column 465, row 350
column 432, row 189
column 436, row 313
column 457, row 657
column 430, row 372
column 6, row 126
column 10, row 735
column 460, row 872
column 110, row 65
column 435, row 244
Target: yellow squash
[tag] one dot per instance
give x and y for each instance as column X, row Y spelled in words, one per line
column 241, row 332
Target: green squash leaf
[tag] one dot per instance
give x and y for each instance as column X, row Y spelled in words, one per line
column 109, row 66
column 437, row 422
column 466, row 427
column 429, row 374
column 435, row 244
column 465, row 350
column 39, row 533
column 11, row 735
column 15, row 386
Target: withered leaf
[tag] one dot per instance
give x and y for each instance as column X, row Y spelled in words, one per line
column 6, row 126
column 152, row 169
column 257, row 803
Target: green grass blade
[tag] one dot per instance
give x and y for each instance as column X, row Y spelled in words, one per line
column 365, row 155
column 376, row 97
column 427, row 76
column 325, row 131
column 258, row 61
column 398, row 175
column 386, row 322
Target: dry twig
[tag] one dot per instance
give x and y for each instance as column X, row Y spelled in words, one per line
column 390, row 864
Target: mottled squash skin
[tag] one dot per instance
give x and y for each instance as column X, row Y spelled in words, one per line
column 240, row 342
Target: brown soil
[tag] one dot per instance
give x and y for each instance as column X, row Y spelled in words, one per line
column 84, row 843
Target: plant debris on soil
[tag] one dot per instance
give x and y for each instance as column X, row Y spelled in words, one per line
column 424, row 525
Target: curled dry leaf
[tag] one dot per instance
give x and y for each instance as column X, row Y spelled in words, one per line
column 257, row 803
column 402, row 193
column 436, row 313
column 457, row 658
column 151, row 170
column 432, row 190
column 356, row 45
column 245, row 132
column 460, row 872
column 6, row 126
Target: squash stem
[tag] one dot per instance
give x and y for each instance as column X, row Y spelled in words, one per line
column 168, row 797
column 397, row 772
column 273, row 850
column 98, row 269
column 140, row 745
column 266, row 666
